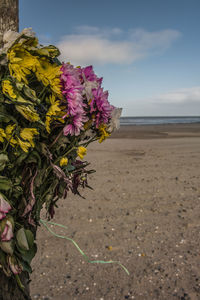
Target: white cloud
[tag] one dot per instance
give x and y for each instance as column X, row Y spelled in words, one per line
column 181, row 96
column 91, row 45
column 90, row 30
column 85, row 49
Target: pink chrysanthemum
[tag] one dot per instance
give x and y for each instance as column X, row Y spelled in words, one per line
column 88, row 74
column 97, row 98
column 72, row 91
column 100, row 106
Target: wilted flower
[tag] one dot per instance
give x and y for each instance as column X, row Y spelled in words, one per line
column 28, row 112
column 114, row 122
column 7, row 231
column 10, row 36
column 14, row 265
column 4, row 207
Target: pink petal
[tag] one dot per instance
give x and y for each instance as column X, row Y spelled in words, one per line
column 15, row 268
column 4, row 205
column 7, row 234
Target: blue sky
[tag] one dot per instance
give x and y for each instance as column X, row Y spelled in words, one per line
column 148, row 51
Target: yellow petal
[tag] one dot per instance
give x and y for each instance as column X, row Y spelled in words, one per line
column 28, row 134
column 63, row 161
column 81, row 152
column 24, row 145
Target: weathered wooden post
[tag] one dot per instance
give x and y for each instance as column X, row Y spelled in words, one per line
column 9, row 19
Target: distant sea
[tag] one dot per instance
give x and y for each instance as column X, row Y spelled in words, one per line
column 158, row 120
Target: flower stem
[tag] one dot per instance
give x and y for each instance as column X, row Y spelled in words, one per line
column 21, row 286
column 58, row 136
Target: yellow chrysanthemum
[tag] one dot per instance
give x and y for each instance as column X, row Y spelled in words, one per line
column 63, row 161
column 54, row 112
column 82, row 151
column 21, row 62
column 27, row 135
column 9, row 132
column 49, row 74
column 24, row 145
column 28, row 112
column 103, row 133
column 7, row 88
column 2, row 135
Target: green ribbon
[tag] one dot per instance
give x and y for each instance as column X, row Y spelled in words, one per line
column 43, row 222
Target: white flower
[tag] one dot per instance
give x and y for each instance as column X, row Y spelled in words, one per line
column 114, row 122
column 89, row 133
column 28, row 32
column 89, row 86
column 10, row 37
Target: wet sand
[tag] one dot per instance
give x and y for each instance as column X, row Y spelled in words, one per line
column 144, row 211
column 158, row 131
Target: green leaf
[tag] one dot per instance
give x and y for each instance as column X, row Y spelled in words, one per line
column 25, row 239
column 22, row 239
column 45, row 150
column 27, row 91
column 34, row 157
column 30, row 238
column 26, row 266
column 18, row 191
column 62, row 187
column 70, row 167
column 3, row 160
column 20, row 159
column 30, row 94
column 61, row 142
column 27, row 256
column 4, row 118
column 5, row 183
column 40, row 178
column 2, row 257
column 50, row 51
column 43, row 52
column 7, row 247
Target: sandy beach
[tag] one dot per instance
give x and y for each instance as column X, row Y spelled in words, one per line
column 144, row 211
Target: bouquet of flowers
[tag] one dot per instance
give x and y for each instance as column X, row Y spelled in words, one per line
column 49, row 113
